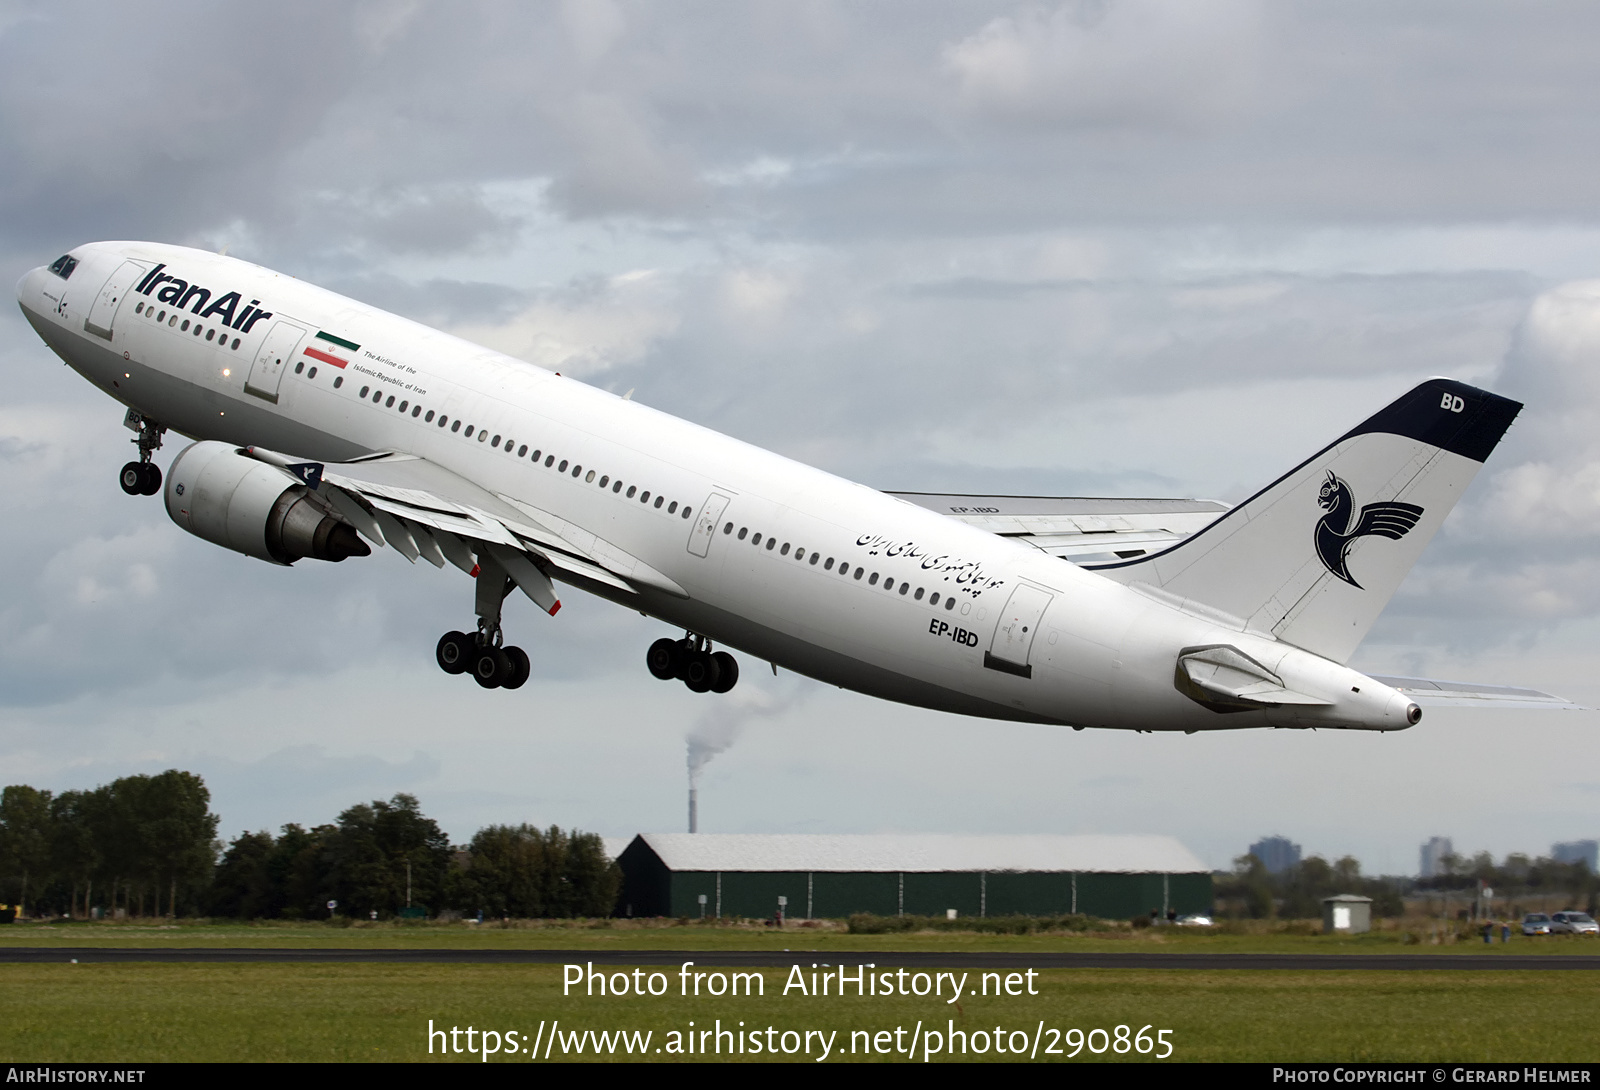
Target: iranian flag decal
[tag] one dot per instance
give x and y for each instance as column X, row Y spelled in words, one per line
column 326, row 354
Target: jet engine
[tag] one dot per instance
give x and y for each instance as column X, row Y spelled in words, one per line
column 217, row 492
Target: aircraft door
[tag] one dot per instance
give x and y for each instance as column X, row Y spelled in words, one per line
column 267, row 370
column 1014, row 632
column 104, row 308
column 705, row 527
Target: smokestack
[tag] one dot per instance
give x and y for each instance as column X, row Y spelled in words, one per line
column 694, row 808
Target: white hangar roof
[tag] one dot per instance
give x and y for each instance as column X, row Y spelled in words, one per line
column 898, row 852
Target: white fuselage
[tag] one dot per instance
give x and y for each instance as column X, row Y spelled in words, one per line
column 1094, row 653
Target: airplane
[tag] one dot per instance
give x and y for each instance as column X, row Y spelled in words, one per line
column 322, row 428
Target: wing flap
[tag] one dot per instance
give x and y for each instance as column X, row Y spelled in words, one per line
column 425, row 511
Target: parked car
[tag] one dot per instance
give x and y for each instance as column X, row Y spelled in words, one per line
column 1536, row 923
column 1194, row 921
column 1573, row 923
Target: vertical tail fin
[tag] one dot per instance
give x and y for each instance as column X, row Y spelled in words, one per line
column 1315, row 556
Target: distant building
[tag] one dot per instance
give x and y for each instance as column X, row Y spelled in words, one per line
column 1276, row 853
column 732, row 874
column 1578, row 851
column 1433, row 853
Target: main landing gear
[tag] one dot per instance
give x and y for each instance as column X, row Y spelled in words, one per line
column 142, row 478
column 692, row 662
column 481, row 654
column 492, row 666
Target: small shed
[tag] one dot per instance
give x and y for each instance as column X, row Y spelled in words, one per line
column 1346, row 912
column 711, row 874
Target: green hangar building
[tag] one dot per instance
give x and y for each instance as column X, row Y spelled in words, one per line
column 721, row 874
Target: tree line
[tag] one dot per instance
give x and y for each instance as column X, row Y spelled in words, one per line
column 1250, row 890
column 147, row 845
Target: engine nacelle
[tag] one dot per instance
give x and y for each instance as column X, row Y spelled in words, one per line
column 217, row 492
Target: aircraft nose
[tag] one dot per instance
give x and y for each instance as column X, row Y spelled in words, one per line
column 28, row 289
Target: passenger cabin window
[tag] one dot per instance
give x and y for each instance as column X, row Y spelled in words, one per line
column 338, row 381
column 63, row 265
column 365, row 390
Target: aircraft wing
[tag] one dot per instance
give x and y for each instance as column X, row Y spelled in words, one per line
column 424, row 510
column 1465, row 694
column 1082, row 529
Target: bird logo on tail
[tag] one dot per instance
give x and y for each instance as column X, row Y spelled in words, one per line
column 1341, row 526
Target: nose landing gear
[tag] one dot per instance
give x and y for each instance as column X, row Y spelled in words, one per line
column 143, row 477
column 692, row 661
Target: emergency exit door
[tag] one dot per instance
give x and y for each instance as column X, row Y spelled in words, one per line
column 267, row 370
column 1015, row 630
column 104, row 308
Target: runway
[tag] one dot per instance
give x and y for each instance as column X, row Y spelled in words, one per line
column 807, row 958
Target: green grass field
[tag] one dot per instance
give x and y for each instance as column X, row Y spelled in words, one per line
column 353, row 1012
column 1244, row 937
column 150, row 1012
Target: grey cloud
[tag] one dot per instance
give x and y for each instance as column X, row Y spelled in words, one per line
column 433, row 302
column 1098, row 62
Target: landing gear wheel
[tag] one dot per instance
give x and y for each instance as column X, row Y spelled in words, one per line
column 454, row 652
column 664, row 658
column 521, row 668
column 492, row 667
column 727, row 671
column 701, row 672
column 152, row 479
column 132, row 478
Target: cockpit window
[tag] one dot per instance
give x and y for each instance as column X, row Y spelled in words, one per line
column 63, row 265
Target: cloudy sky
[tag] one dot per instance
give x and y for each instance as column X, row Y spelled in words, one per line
column 1113, row 247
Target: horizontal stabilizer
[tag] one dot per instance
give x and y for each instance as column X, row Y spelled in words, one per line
column 1082, row 529
column 1465, row 694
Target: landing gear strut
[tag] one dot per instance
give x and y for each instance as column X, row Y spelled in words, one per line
column 143, row 477
column 481, row 654
column 692, row 661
